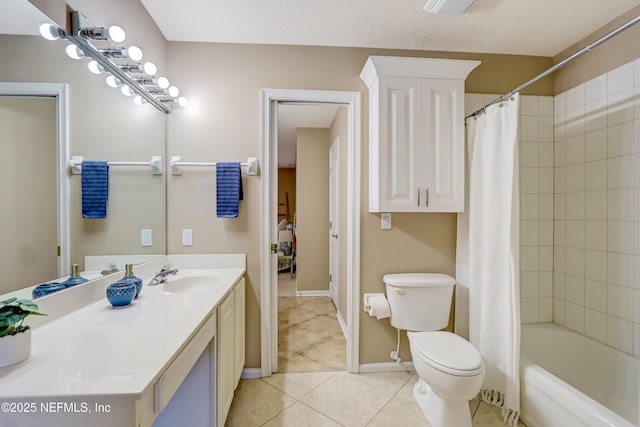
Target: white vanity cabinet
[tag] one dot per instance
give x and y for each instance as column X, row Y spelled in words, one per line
column 230, row 360
column 416, row 133
column 173, row 357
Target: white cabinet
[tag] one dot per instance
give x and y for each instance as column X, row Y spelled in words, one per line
column 231, row 333
column 416, row 133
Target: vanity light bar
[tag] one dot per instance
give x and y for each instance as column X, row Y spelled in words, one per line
column 104, row 61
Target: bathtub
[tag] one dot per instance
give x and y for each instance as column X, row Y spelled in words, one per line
column 569, row 380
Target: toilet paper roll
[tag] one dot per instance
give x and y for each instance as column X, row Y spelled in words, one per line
column 379, row 306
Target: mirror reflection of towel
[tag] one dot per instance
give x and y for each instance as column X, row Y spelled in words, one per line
column 95, row 189
column 228, row 189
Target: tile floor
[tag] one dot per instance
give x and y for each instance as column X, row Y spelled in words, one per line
column 309, row 335
column 331, row 399
column 312, row 388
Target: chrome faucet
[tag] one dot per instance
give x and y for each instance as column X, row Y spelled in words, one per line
column 161, row 276
column 112, row 269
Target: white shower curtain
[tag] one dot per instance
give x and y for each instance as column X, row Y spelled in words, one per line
column 489, row 239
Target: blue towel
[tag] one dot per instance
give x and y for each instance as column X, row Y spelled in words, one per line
column 228, row 189
column 95, row 189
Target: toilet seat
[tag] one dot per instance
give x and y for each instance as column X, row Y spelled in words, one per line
column 446, row 352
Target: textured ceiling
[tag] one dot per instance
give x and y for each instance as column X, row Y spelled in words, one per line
column 528, row 27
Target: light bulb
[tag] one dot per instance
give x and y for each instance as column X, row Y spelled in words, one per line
column 139, row 101
column 74, row 52
column 182, row 101
column 150, row 68
column 174, row 91
column 133, row 52
column 116, row 34
column 113, row 81
column 95, row 68
column 163, row 82
column 126, row 90
column 49, row 31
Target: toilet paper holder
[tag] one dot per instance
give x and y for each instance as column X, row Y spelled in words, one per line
column 366, row 297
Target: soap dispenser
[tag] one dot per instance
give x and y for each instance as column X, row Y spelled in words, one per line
column 129, row 277
column 75, row 278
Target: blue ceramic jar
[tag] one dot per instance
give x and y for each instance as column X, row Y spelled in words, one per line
column 121, row 293
column 129, row 277
column 46, row 289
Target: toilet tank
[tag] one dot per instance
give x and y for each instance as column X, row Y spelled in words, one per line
column 419, row 301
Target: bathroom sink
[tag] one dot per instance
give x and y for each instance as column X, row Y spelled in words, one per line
column 188, row 284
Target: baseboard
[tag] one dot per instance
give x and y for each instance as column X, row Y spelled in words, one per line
column 371, row 368
column 343, row 324
column 251, row 373
column 312, row 293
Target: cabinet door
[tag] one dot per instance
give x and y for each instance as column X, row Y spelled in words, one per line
column 240, row 328
column 442, row 145
column 398, row 153
column 226, row 371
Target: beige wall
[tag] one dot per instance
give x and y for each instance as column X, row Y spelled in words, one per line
column 312, row 222
column 28, row 132
column 223, row 122
column 615, row 52
column 339, row 129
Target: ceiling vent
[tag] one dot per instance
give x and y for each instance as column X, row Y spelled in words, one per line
column 448, row 7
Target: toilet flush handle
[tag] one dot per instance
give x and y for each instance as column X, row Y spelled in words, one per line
column 399, row 291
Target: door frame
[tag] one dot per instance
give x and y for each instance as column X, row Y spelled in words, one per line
column 59, row 91
column 268, row 269
column 334, row 206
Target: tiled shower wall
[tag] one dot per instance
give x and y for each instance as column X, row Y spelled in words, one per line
column 536, row 208
column 596, row 275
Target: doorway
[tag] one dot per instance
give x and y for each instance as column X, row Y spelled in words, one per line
column 52, row 97
column 272, row 98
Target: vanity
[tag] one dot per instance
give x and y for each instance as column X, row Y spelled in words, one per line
column 172, row 357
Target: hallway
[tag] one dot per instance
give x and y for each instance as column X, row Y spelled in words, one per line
column 309, row 335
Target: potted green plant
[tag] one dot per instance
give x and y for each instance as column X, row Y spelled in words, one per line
column 15, row 336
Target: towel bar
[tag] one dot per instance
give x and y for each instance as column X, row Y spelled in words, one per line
column 176, row 162
column 75, row 164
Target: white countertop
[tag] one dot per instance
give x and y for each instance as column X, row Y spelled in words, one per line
column 100, row 350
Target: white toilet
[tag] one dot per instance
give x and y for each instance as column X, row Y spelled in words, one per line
column 450, row 368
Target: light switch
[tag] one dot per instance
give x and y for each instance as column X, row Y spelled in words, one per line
column 385, row 221
column 187, row 237
column 146, row 237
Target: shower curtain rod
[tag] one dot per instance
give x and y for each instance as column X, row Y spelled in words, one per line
column 558, row 65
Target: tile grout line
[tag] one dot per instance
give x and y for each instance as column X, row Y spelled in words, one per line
column 300, row 399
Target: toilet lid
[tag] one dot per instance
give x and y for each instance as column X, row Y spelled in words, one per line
column 447, row 352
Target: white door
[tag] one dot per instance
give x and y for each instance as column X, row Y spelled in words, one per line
column 334, row 214
column 28, row 220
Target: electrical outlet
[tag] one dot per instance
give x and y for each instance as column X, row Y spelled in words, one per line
column 385, row 221
column 146, row 237
column 187, row 237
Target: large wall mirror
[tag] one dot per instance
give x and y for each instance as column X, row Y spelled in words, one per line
column 102, row 125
